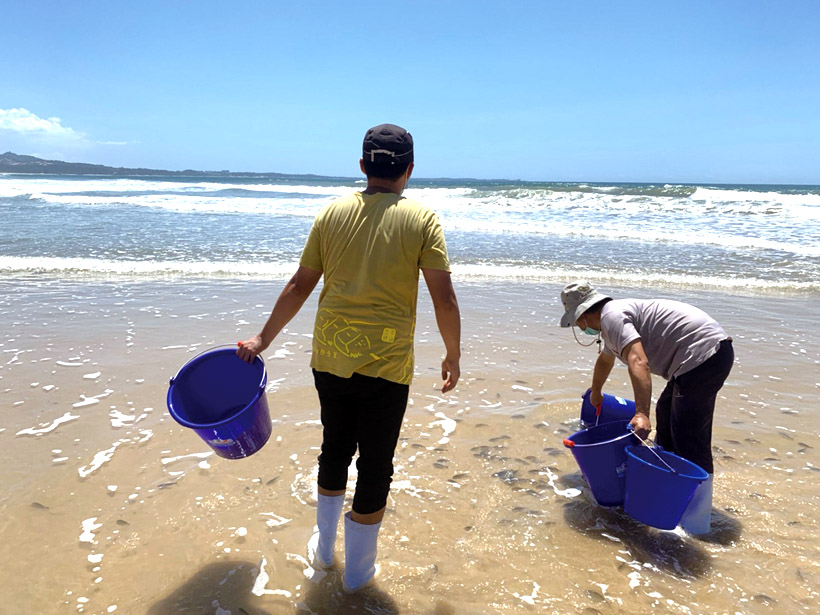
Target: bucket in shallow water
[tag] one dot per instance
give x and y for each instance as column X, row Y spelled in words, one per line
column 613, row 408
column 600, row 453
column 222, row 398
column 655, row 495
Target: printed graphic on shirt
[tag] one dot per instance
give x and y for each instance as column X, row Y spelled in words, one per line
column 339, row 335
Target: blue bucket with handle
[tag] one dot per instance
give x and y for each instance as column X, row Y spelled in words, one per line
column 222, row 398
column 659, row 486
column 613, row 408
column 600, row 453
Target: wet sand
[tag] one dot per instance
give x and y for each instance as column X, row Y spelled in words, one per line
column 109, row 506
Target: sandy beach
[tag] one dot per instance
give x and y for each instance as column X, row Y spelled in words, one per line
column 109, row 506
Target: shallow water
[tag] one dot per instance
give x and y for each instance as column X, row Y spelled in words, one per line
column 109, row 506
column 746, row 238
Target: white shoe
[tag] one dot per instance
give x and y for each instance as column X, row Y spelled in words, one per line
column 697, row 517
column 321, row 544
column 360, row 553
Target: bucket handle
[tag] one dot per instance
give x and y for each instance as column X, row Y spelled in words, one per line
column 647, row 444
column 264, row 368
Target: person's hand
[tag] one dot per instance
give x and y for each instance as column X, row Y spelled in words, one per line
column 596, row 399
column 450, row 372
column 641, row 425
column 251, row 347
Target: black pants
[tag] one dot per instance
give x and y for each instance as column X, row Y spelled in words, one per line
column 686, row 407
column 365, row 413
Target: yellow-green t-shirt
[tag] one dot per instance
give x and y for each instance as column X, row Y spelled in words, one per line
column 370, row 248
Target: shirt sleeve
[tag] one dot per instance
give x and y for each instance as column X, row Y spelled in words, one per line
column 433, row 249
column 312, row 253
column 619, row 330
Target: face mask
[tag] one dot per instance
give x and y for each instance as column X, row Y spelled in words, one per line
column 589, row 330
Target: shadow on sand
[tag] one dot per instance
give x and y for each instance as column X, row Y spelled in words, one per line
column 226, row 586
column 725, row 531
column 677, row 554
column 324, row 596
column 222, row 585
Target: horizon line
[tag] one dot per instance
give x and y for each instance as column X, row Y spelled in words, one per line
column 228, row 173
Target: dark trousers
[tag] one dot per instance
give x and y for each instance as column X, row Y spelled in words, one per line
column 686, row 407
column 365, row 413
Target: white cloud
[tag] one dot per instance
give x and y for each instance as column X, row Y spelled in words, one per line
column 25, row 122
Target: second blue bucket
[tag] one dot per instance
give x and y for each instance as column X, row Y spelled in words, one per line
column 600, row 453
column 613, row 408
column 222, row 398
column 655, row 495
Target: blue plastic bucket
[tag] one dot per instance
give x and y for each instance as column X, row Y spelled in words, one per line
column 222, row 398
column 599, row 452
column 655, row 495
column 613, row 408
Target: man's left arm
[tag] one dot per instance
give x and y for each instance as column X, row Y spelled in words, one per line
column 638, row 365
column 448, row 318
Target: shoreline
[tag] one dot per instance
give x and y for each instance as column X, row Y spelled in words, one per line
column 118, row 276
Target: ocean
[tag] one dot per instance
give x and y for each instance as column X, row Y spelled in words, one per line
column 109, row 285
column 740, row 238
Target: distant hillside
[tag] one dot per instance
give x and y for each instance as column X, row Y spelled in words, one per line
column 16, row 163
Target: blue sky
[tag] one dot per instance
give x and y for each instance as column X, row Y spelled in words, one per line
column 696, row 91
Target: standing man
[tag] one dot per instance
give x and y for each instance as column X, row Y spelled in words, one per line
column 370, row 247
column 671, row 339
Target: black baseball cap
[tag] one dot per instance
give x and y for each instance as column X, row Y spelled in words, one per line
column 388, row 144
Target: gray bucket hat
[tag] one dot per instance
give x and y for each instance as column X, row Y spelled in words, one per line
column 577, row 298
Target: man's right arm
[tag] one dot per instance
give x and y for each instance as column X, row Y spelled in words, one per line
column 448, row 318
column 603, row 367
column 293, row 296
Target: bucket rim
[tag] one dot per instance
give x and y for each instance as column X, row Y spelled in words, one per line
column 220, row 350
column 232, row 417
column 611, row 424
column 682, row 473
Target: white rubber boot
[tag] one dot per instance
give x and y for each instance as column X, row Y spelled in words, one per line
column 321, row 544
column 360, row 553
column 697, row 518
